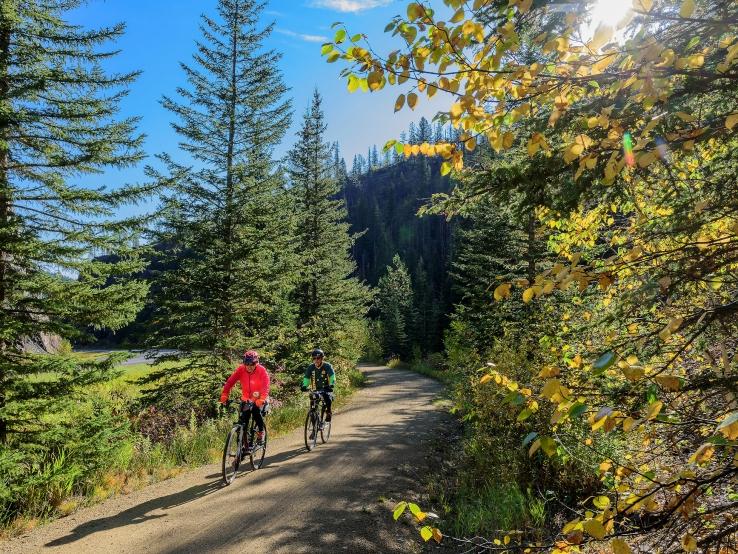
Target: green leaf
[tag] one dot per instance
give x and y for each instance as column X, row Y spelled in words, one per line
column 445, row 168
column 577, row 409
column 604, row 362
column 327, row 47
column 426, row 533
column 529, row 438
column 525, row 414
column 356, row 37
column 414, row 509
column 340, row 36
column 399, row 148
column 353, row 83
column 694, row 41
column 399, row 510
column 548, row 445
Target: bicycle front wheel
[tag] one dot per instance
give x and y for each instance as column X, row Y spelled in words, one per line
column 232, row 454
column 311, row 430
column 258, row 451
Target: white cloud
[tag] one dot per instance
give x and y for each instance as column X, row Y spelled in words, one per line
column 302, row 36
column 349, row 5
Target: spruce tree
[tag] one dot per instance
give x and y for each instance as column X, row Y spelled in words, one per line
column 58, row 128
column 394, row 303
column 330, row 300
column 228, row 212
column 491, row 246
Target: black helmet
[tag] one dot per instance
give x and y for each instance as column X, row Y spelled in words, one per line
column 318, row 353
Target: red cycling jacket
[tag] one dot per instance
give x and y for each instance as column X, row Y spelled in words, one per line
column 258, row 381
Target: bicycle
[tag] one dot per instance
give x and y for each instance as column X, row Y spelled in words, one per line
column 236, row 449
column 315, row 423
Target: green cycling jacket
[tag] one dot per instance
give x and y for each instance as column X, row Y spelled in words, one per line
column 318, row 379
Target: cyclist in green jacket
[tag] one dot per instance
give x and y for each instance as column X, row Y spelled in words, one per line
column 319, row 376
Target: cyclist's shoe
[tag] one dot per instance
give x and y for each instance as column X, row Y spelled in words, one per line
column 328, row 417
column 260, row 438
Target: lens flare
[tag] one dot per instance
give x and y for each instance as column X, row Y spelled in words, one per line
column 663, row 149
column 628, row 149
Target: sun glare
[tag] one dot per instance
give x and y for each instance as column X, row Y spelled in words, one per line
column 613, row 14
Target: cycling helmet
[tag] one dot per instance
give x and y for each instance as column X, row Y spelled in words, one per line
column 251, row 357
column 318, row 353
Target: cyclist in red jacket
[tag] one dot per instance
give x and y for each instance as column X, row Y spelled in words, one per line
column 254, row 390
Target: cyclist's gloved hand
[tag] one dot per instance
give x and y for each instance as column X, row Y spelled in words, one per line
column 329, row 388
column 303, row 388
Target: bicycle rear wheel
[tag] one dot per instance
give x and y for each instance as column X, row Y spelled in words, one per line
column 311, row 430
column 325, row 427
column 258, row 451
column 232, row 454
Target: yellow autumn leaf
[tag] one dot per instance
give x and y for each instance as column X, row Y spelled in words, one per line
column 595, row 528
column 602, row 36
column 412, row 99
column 654, row 409
column 528, row 295
column 619, row 546
column 687, row 8
column 668, row 382
column 502, row 291
column 551, row 387
column 400, row 102
column 485, row 378
column 689, row 543
column 703, row 454
column 686, row 117
column 628, row 424
column 633, row 372
column 643, row 5
column 647, row 158
column 731, row 121
column 523, row 7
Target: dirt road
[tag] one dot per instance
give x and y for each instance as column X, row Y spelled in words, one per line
column 327, row 500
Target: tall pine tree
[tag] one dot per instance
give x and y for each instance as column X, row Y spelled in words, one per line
column 330, row 300
column 58, row 124
column 228, row 213
column 394, row 302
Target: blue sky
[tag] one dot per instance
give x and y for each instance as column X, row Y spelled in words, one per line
column 161, row 33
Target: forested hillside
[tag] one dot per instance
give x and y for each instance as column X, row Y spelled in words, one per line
column 383, row 201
